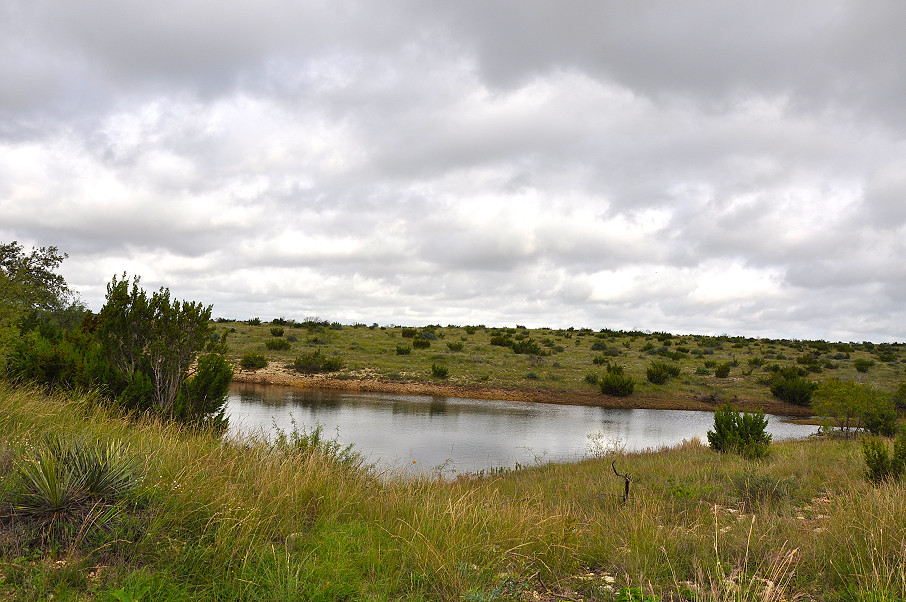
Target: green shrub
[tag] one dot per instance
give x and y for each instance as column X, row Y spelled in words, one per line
column 591, row 378
column 455, row 347
column 722, row 370
column 659, row 373
column 255, row 322
column 276, row 331
column 744, row 433
column 702, row 371
column 470, row 329
column 421, row 343
column 532, row 376
column 315, row 363
column 879, row 464
column 253, row 361
column 403, row 350
column 277, row 344
column 793, row 389
column 616, row 383
column 862, row 364
column 527, row 347
column 409, row 333
column 438, row 371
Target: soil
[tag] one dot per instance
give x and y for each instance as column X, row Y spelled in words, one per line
column 277, row 375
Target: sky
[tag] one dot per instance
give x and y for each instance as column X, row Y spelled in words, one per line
column 694, row 167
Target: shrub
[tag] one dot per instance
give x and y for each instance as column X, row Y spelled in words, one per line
column 616, row 383
column 253, row 361
column 438, row 371
column 532, row 376
column 722, row 370
column 501, row 341
column 702, row 371
column 598, row 346
column 660, row 372
column 255, row 322
column 591, row 378
column 744, row 433
column 455, row 347
column 276, row 331
column 315, row 363
column 470, row 329
column 428, row 335
column 409, row 333
column 880, row 465
column 852, row 405
column 403, row 350
column 528, row 347
column 862, row 365
column 793, row 389
column 421, row 343
column 277, row 344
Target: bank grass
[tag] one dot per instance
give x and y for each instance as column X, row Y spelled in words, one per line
column 568, row 356
column 249, row 519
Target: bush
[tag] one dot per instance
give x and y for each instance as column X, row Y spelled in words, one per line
column 403, row 350
column 455, row 347
column 276, row 331
column 421, row 343
column 470, row 329
column 253, row 361
column 660, row 372
column 438, row 371
column 591, row 378
column 277, row 344
column 409, row 333
column 315, row 363
column 793, row 389
column 722, row 370
column 862, row 365
column 616, row 383
column 255, row 322
column 528, row 347
column 880, row 465
column 744, row 433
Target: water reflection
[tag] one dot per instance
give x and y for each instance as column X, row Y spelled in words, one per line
column 466, row 435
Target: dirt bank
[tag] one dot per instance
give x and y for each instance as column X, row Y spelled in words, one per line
column 275, row 375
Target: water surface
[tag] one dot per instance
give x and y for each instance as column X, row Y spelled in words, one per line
column 451, row 434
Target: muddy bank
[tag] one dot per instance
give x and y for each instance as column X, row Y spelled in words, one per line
column 273, row 375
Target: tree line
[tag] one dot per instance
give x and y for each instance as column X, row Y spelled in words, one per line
column 143, row 351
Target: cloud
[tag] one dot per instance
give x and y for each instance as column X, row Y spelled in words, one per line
column 698, row 168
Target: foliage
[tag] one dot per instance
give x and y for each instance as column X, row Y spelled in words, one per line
column 853, row 406
column 455, row 347
column 403, row 349
column 315, row 363
column 722, row 370
column 527, row 347
column 880, row 464
column 409, row 333
column 68, row 486
column 614, row 382
column 744, row 433
column 660, row 372
column 421, row 343
column 315, row 443
column 793, row 389
column 439, row 371
column 253, row 361
column 275, row 344
column 862, row 364
column 276, row 331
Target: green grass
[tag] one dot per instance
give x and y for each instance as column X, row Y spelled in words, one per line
column 246, row 520
column 372, row 353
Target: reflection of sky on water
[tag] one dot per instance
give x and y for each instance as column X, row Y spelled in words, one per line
column 472, row 435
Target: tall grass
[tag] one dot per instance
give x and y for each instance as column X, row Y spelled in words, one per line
column 256, row 520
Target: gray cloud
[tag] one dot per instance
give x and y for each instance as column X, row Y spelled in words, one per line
column 697, row 168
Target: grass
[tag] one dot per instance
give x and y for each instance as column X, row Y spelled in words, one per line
column 710, row 368
column 247, row 520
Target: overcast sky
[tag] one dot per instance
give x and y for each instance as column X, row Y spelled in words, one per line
column 693, row 167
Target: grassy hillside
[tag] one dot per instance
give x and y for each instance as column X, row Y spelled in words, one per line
column 225, row 520
column 564, row 360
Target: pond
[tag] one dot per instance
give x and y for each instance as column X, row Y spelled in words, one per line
column 453, row 435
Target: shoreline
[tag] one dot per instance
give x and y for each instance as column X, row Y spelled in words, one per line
column 283, row 377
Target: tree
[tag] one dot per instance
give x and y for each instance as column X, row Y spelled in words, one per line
column 745, row 433
column 33, row 296
column 853, row 406
column 161, row 338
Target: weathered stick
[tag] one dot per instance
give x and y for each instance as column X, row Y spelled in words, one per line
column 625, row 477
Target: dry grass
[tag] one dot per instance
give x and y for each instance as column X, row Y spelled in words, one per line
column 247, row 521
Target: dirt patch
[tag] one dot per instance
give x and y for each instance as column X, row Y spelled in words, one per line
column 278, row 375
